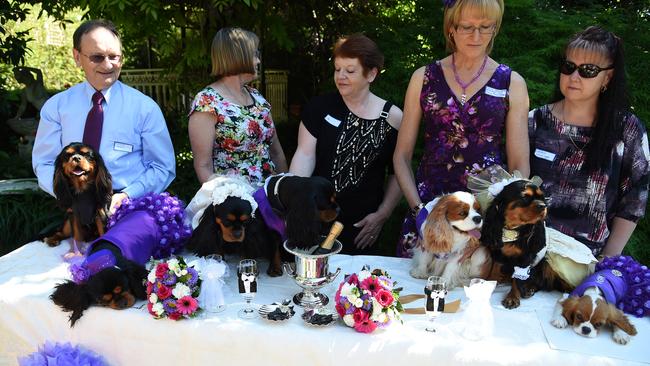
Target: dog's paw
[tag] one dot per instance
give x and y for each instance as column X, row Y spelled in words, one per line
column 418, row 273
column 510, row 302
column 274, row 272
column 52, row 241
column 559, row 322
column 621, row 337
column 528, row 292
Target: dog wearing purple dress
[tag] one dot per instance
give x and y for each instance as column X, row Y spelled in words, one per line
column 113, row 271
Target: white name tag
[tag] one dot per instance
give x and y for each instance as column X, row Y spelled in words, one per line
column 499, row 93
column 120, row 146
column 333, row 121
column 546, row 155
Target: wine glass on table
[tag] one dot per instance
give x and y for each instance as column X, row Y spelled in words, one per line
column 247, row 278
column 435, row 291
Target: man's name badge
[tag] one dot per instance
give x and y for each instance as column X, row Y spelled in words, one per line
column 333, row 121
column 546, row 155
column 120, row 146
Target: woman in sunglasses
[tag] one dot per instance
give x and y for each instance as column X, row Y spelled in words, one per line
column 589, row 149
column 468, row 103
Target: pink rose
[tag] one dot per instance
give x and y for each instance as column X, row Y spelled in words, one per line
column 161, row 270
column 360, row 316
column 163, row 292
column 384, row 298
column 340, row 309
column 174, row 316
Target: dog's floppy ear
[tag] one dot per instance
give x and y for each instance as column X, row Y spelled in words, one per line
column 206, row 238
column 103, row 182
column 438, row 233
column 617, row 318
column 61, row 186
column 72, row 297
column 569, row 308
column 494, row 221
column 136, row 274
column 303, row 224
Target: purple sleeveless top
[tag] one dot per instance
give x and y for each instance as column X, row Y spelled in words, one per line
column 458, row 139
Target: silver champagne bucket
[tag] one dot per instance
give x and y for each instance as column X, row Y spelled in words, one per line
column 311, row 272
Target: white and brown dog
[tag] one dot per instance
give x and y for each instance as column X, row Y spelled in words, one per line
column 591, row 307
column 448, row 246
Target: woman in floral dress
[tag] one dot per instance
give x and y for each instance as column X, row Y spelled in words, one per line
column 231, row 130
column 467, row 101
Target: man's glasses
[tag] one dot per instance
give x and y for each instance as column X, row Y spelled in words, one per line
column 469, row 29
column 98, row 59
column 586, row 71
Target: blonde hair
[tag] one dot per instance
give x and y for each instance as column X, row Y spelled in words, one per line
column 233, row 52
column 490, row 9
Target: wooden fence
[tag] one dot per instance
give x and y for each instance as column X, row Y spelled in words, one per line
column 167, row 91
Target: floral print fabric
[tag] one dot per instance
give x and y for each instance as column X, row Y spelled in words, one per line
column 243, row 134
column 583, row 204
column 459, row 139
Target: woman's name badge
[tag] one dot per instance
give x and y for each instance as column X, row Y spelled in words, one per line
column 333, row 121
column 120, row 146
column 546, row 155
column 499, row 93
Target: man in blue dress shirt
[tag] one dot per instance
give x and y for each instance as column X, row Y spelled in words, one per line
column 134, row 143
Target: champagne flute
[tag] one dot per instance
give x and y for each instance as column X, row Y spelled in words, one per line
column 435, row 291
column 247, row 278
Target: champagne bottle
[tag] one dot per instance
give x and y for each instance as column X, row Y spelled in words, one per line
column 326, row 245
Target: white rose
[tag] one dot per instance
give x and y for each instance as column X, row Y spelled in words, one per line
column 152, row 277
column 357, row 302
column 173, row 264
column 153, row 298
column 348, row 320
column 346, row 290
column 183, row 272
column 178, row 272
column 158, row 308
column 376, row 310
column 181, row 290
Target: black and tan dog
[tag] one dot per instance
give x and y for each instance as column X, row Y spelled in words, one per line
column 83, row 188
column 515, row 234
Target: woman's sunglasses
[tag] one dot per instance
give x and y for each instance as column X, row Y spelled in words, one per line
column 586, row 71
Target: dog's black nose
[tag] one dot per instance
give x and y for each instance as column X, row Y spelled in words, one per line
column 237, row 233
column 477, row 219
column 76, row 158
column 586, row 330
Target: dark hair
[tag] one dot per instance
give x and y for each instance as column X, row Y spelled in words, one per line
column 89, row 26
column 613, row 103
column 359, row 46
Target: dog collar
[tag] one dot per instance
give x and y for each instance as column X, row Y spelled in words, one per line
column 93, row 264
column 276, row 187
column 509, row 235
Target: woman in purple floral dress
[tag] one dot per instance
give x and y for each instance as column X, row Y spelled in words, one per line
column 467, row 101
column 231, row 130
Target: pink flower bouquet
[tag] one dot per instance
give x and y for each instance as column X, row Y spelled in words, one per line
column 172, row 289
column 368, row 300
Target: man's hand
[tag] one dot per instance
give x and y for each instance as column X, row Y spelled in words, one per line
column 116, row 201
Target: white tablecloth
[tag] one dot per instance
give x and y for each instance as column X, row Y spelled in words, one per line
column 132, row 337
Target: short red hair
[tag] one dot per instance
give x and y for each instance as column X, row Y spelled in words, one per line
column 359, row 46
